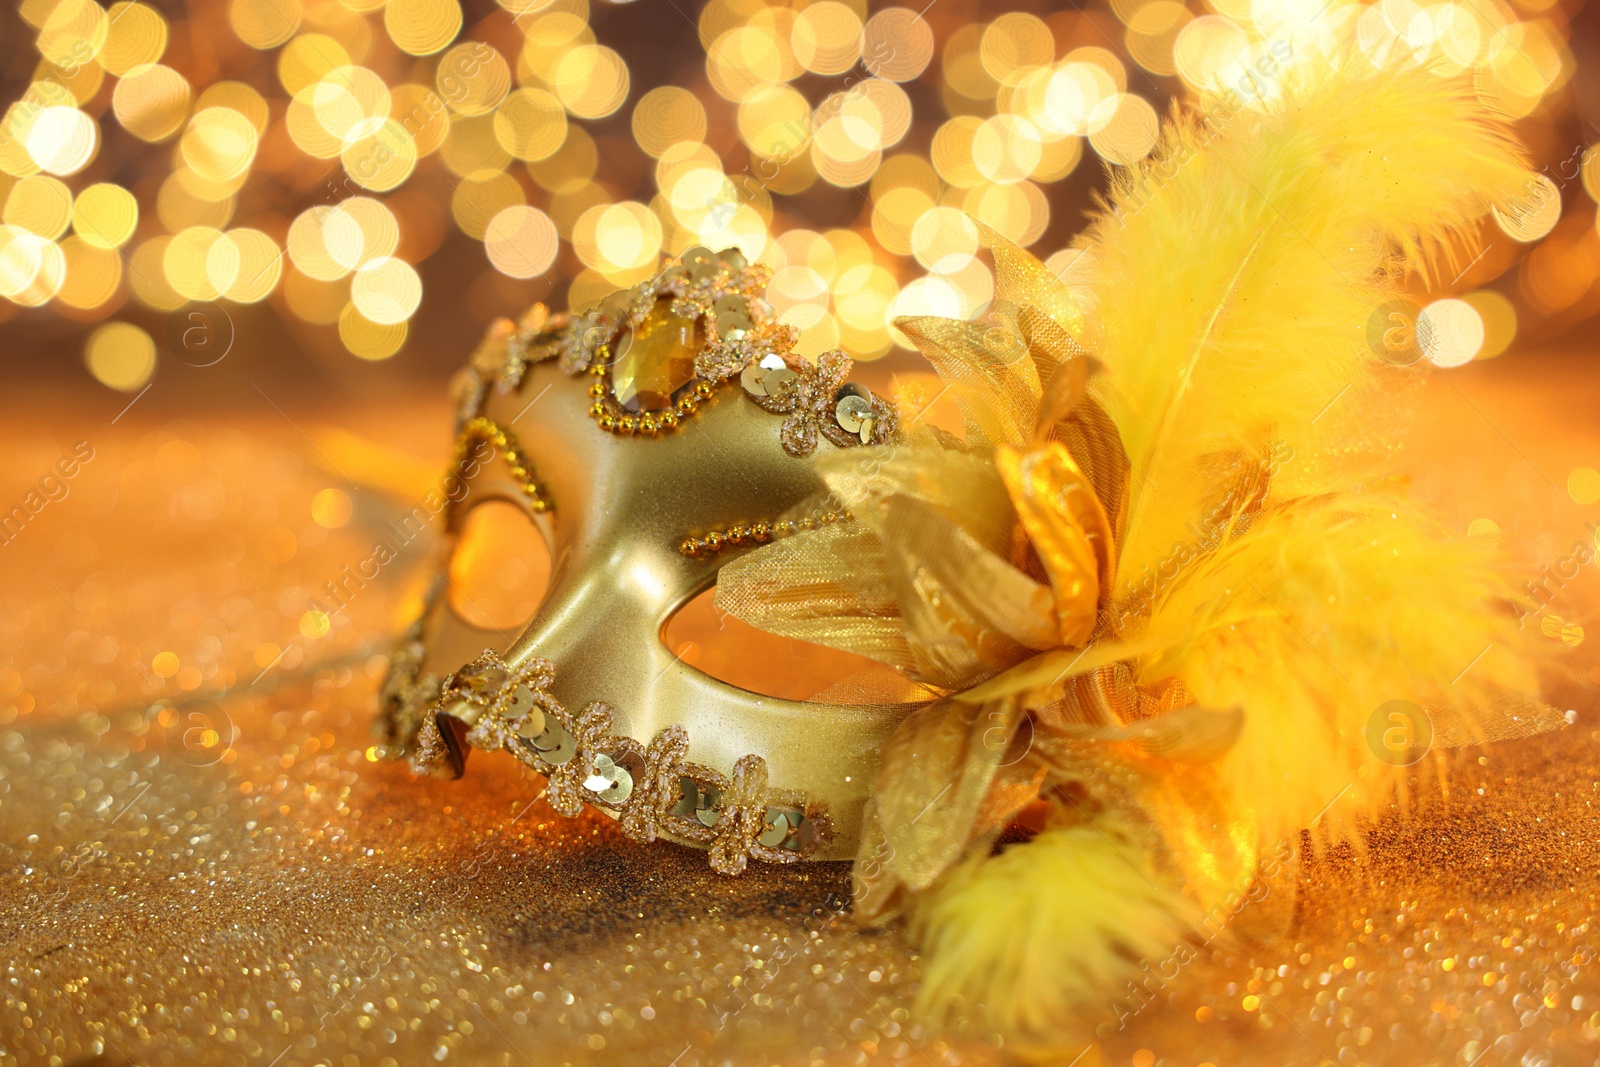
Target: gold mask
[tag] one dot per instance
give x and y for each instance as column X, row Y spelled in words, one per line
column 670, row 437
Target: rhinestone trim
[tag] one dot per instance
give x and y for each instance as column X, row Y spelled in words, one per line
column 647, row 787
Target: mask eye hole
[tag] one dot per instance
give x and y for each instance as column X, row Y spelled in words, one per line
column 732, row 651
column 500, row 568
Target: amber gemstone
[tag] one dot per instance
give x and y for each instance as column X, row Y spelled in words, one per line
column 654, row 360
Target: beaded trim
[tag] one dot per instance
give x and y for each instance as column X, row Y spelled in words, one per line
column 653, row 790
column 483, row 429
column 742, row 339
column 713, row 541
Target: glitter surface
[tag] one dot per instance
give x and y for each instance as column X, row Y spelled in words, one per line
column 204, row 863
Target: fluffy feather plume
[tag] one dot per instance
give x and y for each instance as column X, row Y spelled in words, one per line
column 1320, row 614
column 1229, row 288
column 1233, row 278
column 1035, row 933
column 1208, row 506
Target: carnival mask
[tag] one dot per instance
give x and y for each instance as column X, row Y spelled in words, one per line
column 648, row 442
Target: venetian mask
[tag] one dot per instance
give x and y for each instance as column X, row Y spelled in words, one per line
column 647, row 442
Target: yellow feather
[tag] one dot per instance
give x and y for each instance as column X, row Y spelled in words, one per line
column 1230, row 291
column 1028, row 939
column 1233, row 279
column 1325, row 611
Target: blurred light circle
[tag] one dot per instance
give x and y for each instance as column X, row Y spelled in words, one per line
column 961, row 64
column 845, row 173
column 848, row 128
column 21, row 259
column 775, row 121
column 242, row 98
column 1014, row 44
column 40, row 205
column 591, row 81
column 309, row 246
column 476, row 201
column 331, row 508
column 63, row 140
column 951, row 152
column 186, row 259
column 422, row 27
column 309, row 58
column 826, row 38
column 745, row 230
column 1499, row 317
column 92, row 274
column 1019, row 211
column 305, row 126
column 627, row 235
column 1449, row 332
column 386, row 291
column 222, row 265
column 928, row 295
column 895, row 215
column 473, row 78
column 147, row 279
column 1057, row 159
column 220, row 144
column 748, row 57
column 343, row 238
column 944, row 239
column 698, row 191
column 893, row 107
column 264, row 24
column 360, row 229
column 521, row 241
column 531, row 124
column 1006, row 148
column 1533, row 213
column 367, row 339
column 1458, row 35
column 151, row 102
column 136, row 33
column 260, row 264
column 861, row 297
column 120, row 355
column 1583, row 485
column 73, row 33
column 105, row 215
column 14, row 157
column 350, row 102
column 381, row 158
column 546, row 39
column 665, row 116
column 1130, row 132
column 897, row 44
column 799, row 295
column 1075, row 94
column 1206, row 48
column 1152, row 35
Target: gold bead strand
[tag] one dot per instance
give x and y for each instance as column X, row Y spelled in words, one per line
column 484, row 429
column 714, row 541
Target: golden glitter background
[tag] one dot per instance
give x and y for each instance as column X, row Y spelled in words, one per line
column 242, row 245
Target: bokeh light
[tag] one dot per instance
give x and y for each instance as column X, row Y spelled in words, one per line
column 309, row 156
column 120, row 355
